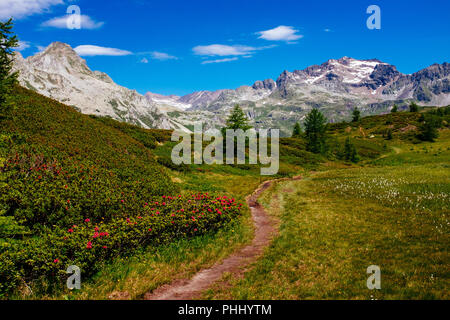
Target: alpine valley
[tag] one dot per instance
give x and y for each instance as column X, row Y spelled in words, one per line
column 335, row 87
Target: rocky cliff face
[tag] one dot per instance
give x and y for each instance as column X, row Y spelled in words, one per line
column 59, row 73
column 429, row 86
column 335, row 87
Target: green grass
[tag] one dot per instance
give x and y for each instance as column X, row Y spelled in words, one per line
column 391, row 209
column 337, row 222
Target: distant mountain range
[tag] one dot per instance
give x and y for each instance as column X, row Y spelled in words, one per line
column 335, row 87
column 59, row 73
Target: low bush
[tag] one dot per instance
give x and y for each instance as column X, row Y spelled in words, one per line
column 168, row 163
column 93, row 242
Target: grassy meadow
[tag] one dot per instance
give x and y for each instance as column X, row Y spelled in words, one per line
column 392, row 212
column 105, row 195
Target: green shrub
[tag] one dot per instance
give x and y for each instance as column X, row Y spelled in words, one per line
column 58, row 168
column 91, row 243
column 428, row 129
column 168, row 163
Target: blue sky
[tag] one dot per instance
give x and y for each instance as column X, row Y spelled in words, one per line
column 177, row 47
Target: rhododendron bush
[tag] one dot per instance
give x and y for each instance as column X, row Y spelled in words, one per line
column 42, row 190
column 92, row 242
column 81, row 190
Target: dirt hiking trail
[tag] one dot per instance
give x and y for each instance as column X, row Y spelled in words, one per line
column 265, row 230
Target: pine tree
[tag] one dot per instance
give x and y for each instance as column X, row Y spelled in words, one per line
column 356, row 115
column 413, row 107
column 355, row 156
column 237, row 120
column 315, row 131
column 389, row 134
column 350, row 152
column 428, row 130
column 394, row 109
column 297, row 130
column 8, row 41
column 348, row 147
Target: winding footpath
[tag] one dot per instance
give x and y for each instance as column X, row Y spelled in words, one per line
column 265, row 230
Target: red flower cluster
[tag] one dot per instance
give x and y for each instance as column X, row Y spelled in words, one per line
column 185, row 216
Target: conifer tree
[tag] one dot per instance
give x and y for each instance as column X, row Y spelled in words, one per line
column 297, row 132
column 315, row 131
column 413, row 107
column 356, row 115
column 237, row 119
column 8, row 41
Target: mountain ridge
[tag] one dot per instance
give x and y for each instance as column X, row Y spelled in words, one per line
column 379, row 75
column 60, row 73
column 335, row 87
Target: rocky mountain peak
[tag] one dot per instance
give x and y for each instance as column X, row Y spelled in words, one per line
column 58, row 58
column 59, row 47
column 267, row 84
column 59, row 73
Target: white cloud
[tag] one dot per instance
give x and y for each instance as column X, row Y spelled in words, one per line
column 61, row 22
column 162, row 56
column 90, row 50
column 40, row 48
column 23, row 45
column 220, row 60
column 144, row 60
column 223, row 50
column 280, row 33
column 23, row 8
column 327, row 30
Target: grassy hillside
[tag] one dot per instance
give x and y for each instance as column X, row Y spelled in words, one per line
column 79, row 190
column 50, row 148
column 391, row 210
column 105, row 196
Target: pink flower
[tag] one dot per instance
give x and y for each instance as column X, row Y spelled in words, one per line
column 70, row 230
column 55, row 261
column 89, row 245
column 87, row 220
